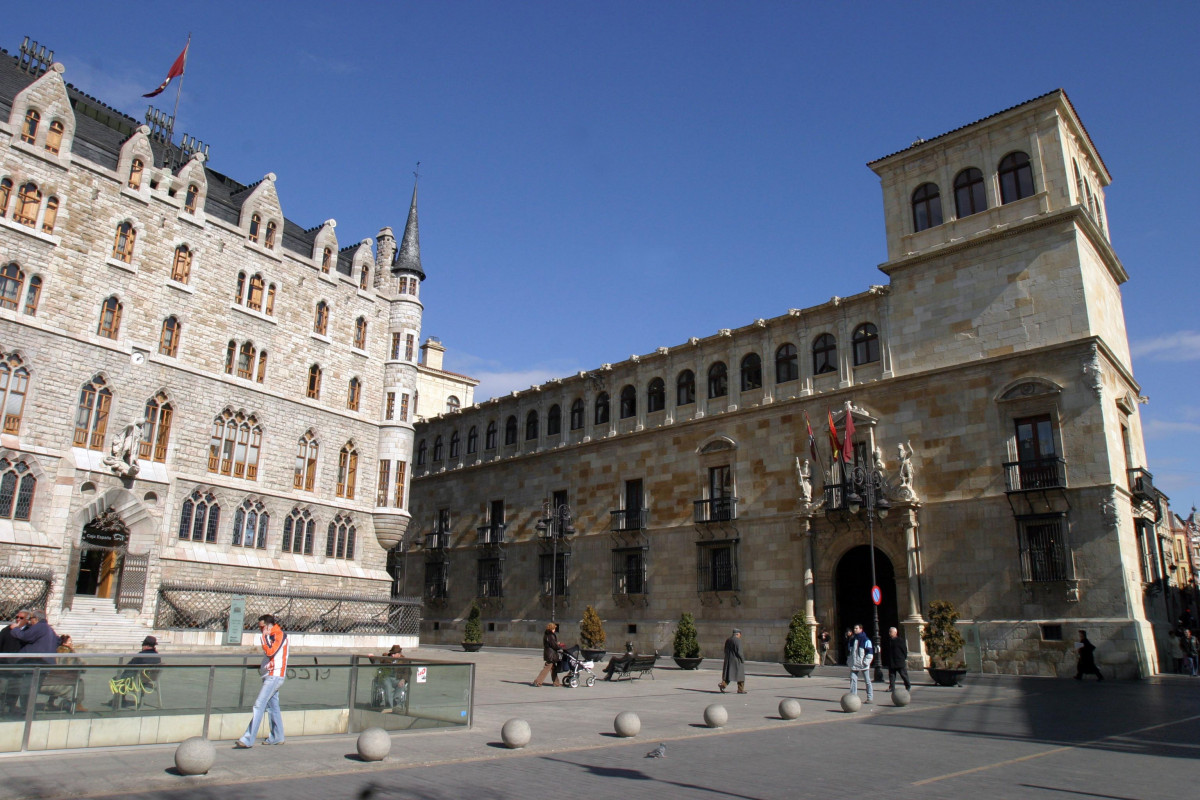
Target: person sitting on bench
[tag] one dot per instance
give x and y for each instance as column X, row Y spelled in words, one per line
column 619, row 664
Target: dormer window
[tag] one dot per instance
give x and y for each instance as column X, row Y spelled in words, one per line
column 326, row 259
column 927, row 207
column 190, row 198
column 29, row 129
column 1016, row 177
column 54, row 136
column 969, row 195
column 363, row 277
column 269, row 239
column 255, row 222
column 135, row 173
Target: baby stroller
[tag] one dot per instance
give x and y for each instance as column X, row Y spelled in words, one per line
column 572, row 664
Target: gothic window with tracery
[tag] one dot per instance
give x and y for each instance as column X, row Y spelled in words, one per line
column 91, row 416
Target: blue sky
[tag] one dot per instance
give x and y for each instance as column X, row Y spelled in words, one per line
column 599, row 180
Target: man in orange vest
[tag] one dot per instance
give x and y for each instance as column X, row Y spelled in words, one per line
column 273, row 669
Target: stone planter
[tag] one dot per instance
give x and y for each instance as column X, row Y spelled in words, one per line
column 946, row 677
column 472, row 647
column 687, row 663
column 799, row 670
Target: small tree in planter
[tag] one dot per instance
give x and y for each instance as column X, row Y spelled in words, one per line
column 687, row 645
column 591, row 633
column 473, row 630
column 799, row 655
column 943, row 643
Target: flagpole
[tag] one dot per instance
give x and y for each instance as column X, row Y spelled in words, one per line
column 179, row 89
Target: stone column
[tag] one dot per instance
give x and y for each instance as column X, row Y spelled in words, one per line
column 810, row 586
column 914, row 568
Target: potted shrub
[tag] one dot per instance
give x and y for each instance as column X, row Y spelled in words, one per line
column 473, row 630
column 591, row 635
column 943, row 643
column 687, row 646
column 799, row 655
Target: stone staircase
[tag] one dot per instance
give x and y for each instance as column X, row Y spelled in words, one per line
column 95, row 626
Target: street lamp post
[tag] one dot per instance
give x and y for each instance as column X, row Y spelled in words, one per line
column 555, row 522
column 871, row 483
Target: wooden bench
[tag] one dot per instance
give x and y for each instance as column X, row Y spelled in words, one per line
column 635, row 668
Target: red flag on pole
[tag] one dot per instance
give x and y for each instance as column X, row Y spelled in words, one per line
column 812, row 439
column 833, row 437
column 848, row 449
column 175, row 71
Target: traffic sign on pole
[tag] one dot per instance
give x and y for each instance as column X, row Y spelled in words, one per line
column 876, row 595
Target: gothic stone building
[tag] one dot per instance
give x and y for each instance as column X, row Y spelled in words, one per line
column 995, row 355
column 197, row 391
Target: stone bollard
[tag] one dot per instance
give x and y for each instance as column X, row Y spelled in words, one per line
column 851, row 702
column 194, row 756
column 789, row 708
column 516, row 734
column 901, row 697
column 627, row 724
column 374, row 744
column 715, row 716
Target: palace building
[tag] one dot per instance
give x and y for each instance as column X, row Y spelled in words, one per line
column 996, row 459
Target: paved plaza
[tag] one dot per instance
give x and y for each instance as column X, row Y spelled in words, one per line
column 995, row 737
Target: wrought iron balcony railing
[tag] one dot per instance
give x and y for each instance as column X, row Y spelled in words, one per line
column 715, row 509
column 491, row 534
column 628, row 519
column 1038, row 473
column 1141, row 484
column 437, row 540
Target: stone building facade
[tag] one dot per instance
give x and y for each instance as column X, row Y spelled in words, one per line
column 994, row 412
column 439, row 390
column 197, row 390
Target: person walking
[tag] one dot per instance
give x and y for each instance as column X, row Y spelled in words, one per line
column 823, row 644
column 862, row 653
column 552, row 653
column 897, row 650
column 1087, row 658
column 733, row 670
column 1191, row 652
column 273, row 669
column 1175, row 651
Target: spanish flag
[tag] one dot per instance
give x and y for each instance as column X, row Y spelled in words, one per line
column 833, row 438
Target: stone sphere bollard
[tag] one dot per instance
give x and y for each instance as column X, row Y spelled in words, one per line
column 851, row 702
column 195, row 756
column 374, row 744
column 901, row 697
column 516, row 734
column 715, row 716
column 789, row 708
column 627, row 724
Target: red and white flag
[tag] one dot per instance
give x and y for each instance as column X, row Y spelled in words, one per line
column 175, row 71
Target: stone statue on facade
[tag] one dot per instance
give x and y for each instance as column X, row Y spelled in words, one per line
column 804, row 478
column 123, row 454
column 905, row 473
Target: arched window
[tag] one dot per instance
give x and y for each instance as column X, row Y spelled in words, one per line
column 321, row 319
column 472, row 440
column 554, row 420
column 866, row 344
column 135, row 173
column 11, row 281
column 255, row 223
column 787, row 365
column 230, row 355
column 531, row 426
column 190, row 198
column 54, row 136
column 306, row 462
column 510, row 430
column 421, row 449
column 340, row 541
column 262, row 366
column 299, row 530
column 601, row 409
column 969, row 195
column 453, row 403
column 254, row 296
column 353, row 391
column 751, row 372
column 360, row 333
column 14, row 383
column 123, row 243
column 29, row 200
column 1016, row 177
column 718, row 380
column 454, row 445
column 313, row 391
column 250, row 523
column 489, row 442
column 577, row 414
column 628, row 404
column 6, row 186
column 91, row 418
column 110, row 318
column 17, row 487
column 364, row 277
column 438, row 449
column 824, row 352
column 181, row 267
column 926, row 207
column 29, row 129
column 269, row 238
column 168, row 341
column 685, row 388
column 656, row 396
column 200, row 517
column 239, row 296
column 347, row 477
column 51, row 215
column 234, row 446
column 245, row 364
column 33, row 295
column 326, row 259
column 156, row 430
column 271, row 300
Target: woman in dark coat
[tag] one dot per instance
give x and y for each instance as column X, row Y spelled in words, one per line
column 1087, row 658
column 734, row 668
column 550, row 651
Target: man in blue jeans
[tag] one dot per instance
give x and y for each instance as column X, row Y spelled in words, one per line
column 862, row 653
column 273, row 669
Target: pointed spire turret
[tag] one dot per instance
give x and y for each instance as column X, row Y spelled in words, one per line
column 408, row 257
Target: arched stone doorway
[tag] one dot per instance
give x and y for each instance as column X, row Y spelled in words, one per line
column 852, row 587
column 102, row 548
column 110, row 560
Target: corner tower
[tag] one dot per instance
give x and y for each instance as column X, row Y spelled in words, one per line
column 402, row 269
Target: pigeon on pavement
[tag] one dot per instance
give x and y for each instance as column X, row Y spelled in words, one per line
column 658, row 752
